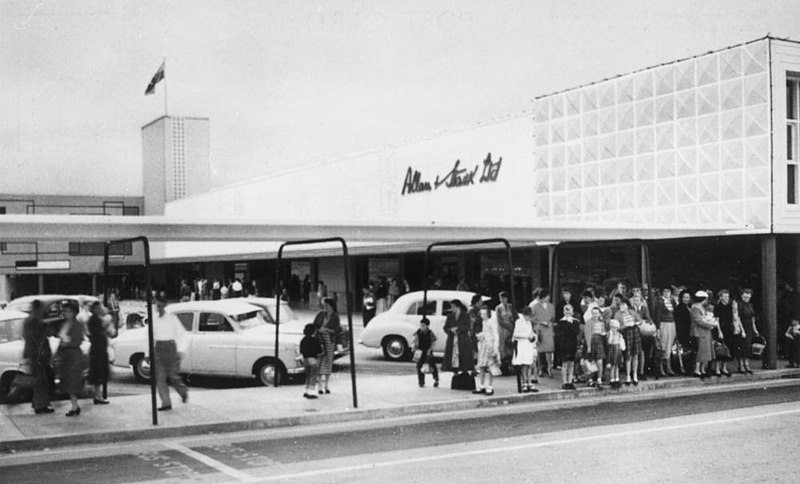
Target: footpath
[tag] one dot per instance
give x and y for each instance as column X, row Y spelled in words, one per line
column 129, row 418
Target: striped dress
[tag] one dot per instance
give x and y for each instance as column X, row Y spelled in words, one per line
column 322, row 320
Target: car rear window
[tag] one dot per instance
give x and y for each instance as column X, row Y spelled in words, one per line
column 11, row 330
column 249, row 320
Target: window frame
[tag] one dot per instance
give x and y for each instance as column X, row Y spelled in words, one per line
column 792, row 139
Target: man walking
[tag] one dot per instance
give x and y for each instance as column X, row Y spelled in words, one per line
column 170, row 345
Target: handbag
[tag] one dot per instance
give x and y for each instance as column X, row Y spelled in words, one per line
column 589, row 366
column 417, row 356
column 721, row 351
column 426, row 368
column 495, row 370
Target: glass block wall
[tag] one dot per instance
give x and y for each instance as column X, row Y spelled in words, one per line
column 682, row 143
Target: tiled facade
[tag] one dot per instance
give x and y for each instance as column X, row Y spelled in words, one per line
column 685, row 142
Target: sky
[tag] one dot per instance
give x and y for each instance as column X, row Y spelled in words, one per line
column 295, row 83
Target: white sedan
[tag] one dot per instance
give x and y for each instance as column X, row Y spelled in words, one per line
column 226, row 338
column 393, row 330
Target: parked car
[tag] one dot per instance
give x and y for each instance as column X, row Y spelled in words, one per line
column 227, row 338
column 293, row 323
column 393, row 330
column 53, row 304
column 12, row 344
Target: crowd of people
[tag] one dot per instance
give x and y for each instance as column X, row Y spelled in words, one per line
column 614, row 339
column 96, row 325
column 202, row 289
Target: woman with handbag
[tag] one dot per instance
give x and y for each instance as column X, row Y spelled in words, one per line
column 71, row 336
column 727, row 315
column 747, row 318
column 683, row 332
column 327, row 324
column 37, row 351
column 458, row 355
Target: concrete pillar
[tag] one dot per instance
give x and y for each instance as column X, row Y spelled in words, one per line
column 94, row 284
column 41, row 283
column 769, row 286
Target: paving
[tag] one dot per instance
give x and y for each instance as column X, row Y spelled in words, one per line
column 211, row 411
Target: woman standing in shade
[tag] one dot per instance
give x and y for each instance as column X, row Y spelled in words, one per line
column 702, row 324
column 458, row 356
column 98, row 352
column 327, row 324
column 683, row 330
column 71, row 336
column 747, row 316
column 665, row 322
column 543, row 316
column 729, row 324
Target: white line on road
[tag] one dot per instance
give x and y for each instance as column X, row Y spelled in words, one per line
column 215, row 464
column 466, row 453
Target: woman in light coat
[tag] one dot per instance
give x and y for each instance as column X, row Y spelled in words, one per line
column 702, row 324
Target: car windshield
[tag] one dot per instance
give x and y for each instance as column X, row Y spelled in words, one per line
column 248, row 320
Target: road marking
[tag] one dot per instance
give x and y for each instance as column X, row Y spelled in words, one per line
column 215, row 464
column 532, row 445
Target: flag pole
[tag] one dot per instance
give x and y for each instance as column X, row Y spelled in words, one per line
column 166, row 113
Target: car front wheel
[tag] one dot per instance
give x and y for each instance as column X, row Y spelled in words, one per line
column 141, row 369
column 395, row 348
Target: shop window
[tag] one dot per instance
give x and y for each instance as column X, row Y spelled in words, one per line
column 792, row 141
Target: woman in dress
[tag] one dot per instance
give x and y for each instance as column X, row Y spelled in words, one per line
column 543, row 316
column 98, row 352
column 683, row 330
column 665, row 323
column 702, row 324
column 488, row 352
column 727, row 316
column 630, row 321
column 327, row 324
column 569, row 336
column 747, row 316
column 525, row 348
column 71, row 336
column 458, row 356
column 506, row 316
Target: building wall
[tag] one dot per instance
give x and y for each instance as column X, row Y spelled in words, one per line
column 371, row 186
column 785, row 61
column 176, row 160
column 81, row 258
column 685, row 142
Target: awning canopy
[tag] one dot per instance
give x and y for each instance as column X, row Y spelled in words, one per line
column 93, row 228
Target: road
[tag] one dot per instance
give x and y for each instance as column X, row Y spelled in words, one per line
column 742, row 436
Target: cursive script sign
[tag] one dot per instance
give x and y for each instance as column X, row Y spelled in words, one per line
column 456, row 177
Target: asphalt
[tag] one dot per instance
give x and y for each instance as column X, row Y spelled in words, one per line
column 214, row 411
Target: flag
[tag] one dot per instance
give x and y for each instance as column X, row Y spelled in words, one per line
column 159, row 75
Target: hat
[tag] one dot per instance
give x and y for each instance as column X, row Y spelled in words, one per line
column 701, row 294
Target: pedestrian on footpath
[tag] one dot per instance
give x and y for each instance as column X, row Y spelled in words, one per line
column 170, row 346
column 616, row 346
column 793, row 337
column 71, row 336
column 312, row 352
column 568, row 338
column 525, row 348
column 37, row 351
column 328, row 326
column 98, row 326
column 423, row 343
column 488, row 352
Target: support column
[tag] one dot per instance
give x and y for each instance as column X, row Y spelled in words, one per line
column 769, row 285
column 41, row 283
column 94, row 284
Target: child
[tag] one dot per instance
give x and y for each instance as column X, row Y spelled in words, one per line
column 423, row 342
column 525, row 348
column 597, row 341
column 568, row 336
column 633, row 340
column 312, row 351
column 616, row 345
column 793, row 334
column 488, row 351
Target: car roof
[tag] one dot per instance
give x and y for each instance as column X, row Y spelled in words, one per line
column 440, row 294
column 224, row 306
column 258, row 301
column 9, row 314
column 49, row 298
